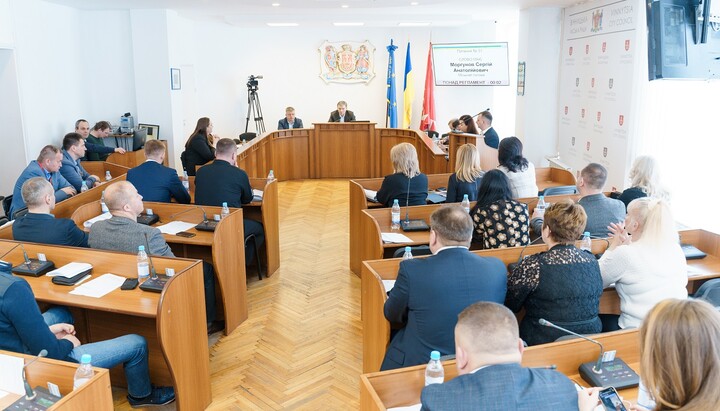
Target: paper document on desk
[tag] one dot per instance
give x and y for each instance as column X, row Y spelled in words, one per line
column 395, row 238
column 103, row 216
column 416, row 407
column 370, row 195
column 693, row 271
column 257, row 194
column 70, row 270
column 389, row 284
column 100, row 286
column 175, row 227
column 11, row 374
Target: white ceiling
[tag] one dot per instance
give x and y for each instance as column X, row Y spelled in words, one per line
column 322, row 13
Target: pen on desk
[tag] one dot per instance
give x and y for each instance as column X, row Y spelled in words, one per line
column 547, row 367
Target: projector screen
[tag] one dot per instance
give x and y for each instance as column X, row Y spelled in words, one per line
column 471, row 64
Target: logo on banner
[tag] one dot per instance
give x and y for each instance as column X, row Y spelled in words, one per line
column 610, row 83
column 587, row 146
column 621, row 120
column 587, row 48
column 582, row 113
column 573, row 141
column 577, row 81
column 598, row 116
column 570, row 50
column 604, row 46
column 604, row 151
column 592, row 82
column 597, row 21
column 627, row 45
column 566, row 110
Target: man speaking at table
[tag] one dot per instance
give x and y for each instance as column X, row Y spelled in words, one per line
column 342, row 114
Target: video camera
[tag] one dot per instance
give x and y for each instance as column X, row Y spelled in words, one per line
column 252, row 83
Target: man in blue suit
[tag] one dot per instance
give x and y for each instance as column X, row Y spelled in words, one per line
column 73, row 150
column 39, row 225
column 153, row 180
column 290, row 121
column 488, row 350
column 484, row 123
column 430, row 292
column 47, row 166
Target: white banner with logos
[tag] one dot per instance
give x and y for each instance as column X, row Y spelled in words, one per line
column 598, row 63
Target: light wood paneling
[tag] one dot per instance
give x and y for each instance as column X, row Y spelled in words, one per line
column 347, row 149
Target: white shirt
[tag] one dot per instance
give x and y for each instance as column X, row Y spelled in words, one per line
column 523, row 183
column 450, row 246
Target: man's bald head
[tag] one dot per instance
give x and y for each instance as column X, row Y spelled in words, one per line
column 487, row 328
column 119, row 194
column 35, row 191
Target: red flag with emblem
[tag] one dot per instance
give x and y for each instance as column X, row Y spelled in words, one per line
column 427, row 120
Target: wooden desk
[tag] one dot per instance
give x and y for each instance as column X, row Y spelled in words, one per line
column 131, row 159
column 402, row 387
column 376, row 329
column 172, row 322
column 95, row 394
column 223, row 248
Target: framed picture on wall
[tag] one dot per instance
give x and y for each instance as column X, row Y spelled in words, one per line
column 153, row 131
column 175, row 78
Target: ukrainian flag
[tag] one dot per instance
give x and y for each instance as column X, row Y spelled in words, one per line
column 408, row 90
column 391, row 94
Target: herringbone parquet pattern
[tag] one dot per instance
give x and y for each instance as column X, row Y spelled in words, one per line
column 301, row 347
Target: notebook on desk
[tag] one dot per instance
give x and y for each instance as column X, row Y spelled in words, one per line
column 371, row 195
column 691, row 252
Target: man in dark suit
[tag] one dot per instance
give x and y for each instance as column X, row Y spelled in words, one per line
column 484, row 123
column 73, row 150
column 223, row 182
column 490, row 378
column 39, row 225
column 153, row 180
column 290, row 121
column 342, row 114
column 82, row 127
column 430, row 292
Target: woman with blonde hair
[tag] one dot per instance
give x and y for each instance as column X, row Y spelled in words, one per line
column 644, row 181
column 644, row 261
column 407, row 185
column 467, row 176
column 199, row 147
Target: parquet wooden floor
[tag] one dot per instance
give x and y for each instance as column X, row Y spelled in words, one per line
column 301, row 347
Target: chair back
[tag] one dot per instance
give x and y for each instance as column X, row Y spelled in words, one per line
column 710, row 292
column 559, row 190
column 416, row 251
column 6, row 202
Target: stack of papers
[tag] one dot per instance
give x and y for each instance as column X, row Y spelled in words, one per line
column 100, row 286
column 11, row 374
column 70, row 270
column 395, row 238
column 389, row 284
column 175, row 227
column 257, row 195
column 103, row 216
column 370, row 195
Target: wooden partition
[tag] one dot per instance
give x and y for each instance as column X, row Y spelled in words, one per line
column 131, row 159
column 488, row 155
column 344, row 150
column 223, row 248
column 172, row 322
column 99, row 168
column 402, row 387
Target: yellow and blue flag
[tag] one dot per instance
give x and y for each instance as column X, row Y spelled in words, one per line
column 408, row 90
column 391, row 93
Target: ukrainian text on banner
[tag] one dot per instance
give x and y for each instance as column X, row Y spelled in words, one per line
column 599, row 57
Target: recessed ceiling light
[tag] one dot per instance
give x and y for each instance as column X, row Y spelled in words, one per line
column 414, row 3
column 345, row 6
column 348, row 24
column 276, row 4
column 282, row 24
column 414, row 24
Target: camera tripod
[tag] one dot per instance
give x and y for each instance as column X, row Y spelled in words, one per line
column 254, row 108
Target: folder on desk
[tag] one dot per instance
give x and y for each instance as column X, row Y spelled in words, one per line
column 371, row 195
column 71, row 273
column 257, row 195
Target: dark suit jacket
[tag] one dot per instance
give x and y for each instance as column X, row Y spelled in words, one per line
column 124, row 234
column 155, row 182
column 74, row 172
column 198, row 153
column 428, row 296
column 221, row 182
column 335, row 116
column 395, row 187
column 503, row 387
column 456, row 189
column 283, row 124
column 491, row 138
column 46, row 229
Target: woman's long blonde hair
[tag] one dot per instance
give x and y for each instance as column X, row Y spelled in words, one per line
column 467, row 164
column 405, row 160
column 656, row 220
column 645, row 174
column 680, row 355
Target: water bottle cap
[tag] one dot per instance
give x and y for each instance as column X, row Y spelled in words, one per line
column 224, row 204
column 86, row 359
column 395, row 201
column 407, row 249
column 465, row 197
column 435, row 355
column 586, row 233
column 141, row 248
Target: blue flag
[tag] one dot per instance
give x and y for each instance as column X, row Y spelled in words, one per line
column 408, row 90
column 391, row 94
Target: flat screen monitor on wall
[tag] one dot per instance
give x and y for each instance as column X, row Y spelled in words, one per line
column 471, row 64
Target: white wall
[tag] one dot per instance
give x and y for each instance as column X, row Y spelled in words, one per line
column 6, row 25
column 13, row 152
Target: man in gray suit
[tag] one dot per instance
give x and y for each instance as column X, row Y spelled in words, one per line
column 601, row 210
column 488, row 350
column 122, row 232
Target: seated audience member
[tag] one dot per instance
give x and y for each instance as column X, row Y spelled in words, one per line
column 644, row 181
column 290, row 121
column 645, row 262
column 82, row 127
column 122, row 232
column 39, row 225
column 47, row 166
column 73, row 150
column 499, row 220
column 153, row 180
column 562, row 285
column 430, row 292
column 23, row 329
column 488, row 352
column 467, row 176
column 467, row 125
column 199, row 147
column 484, row 124
column 407, row 185
column 342, row 114
column 518, row 169
column 453, row 125
column 601, row 210
column 99, row 132
column 223, row 182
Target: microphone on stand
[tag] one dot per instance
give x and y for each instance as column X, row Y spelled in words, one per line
column 153, row 274
column 408, row 224
column 32, row 266
column 29, row 393
column 598, row 366
column 512, row 266
column 205, row 224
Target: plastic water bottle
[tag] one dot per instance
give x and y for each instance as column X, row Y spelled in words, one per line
column 541, row 204
column 270, row 177
column 108, row 177
column 84, row 372
column 434, row 372
column 586, row 243
column 143, row 265
column 84, row 187
column 408, row 254
column 103, row 206
column 466, row 203
column 225, row 211
column 395, row 215
column 186, row 181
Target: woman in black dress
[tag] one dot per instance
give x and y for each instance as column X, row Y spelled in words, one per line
column 199, row 147
column 499, row 220
column 467, row 176
column 407, row 185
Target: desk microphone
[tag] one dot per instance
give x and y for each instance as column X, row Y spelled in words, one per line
column 155, row 283
column 598, row 366
column 205, row 224
column 408, row 224
column 29, row 393
column 512, row 266
column 152, row 267
column 32, row 266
